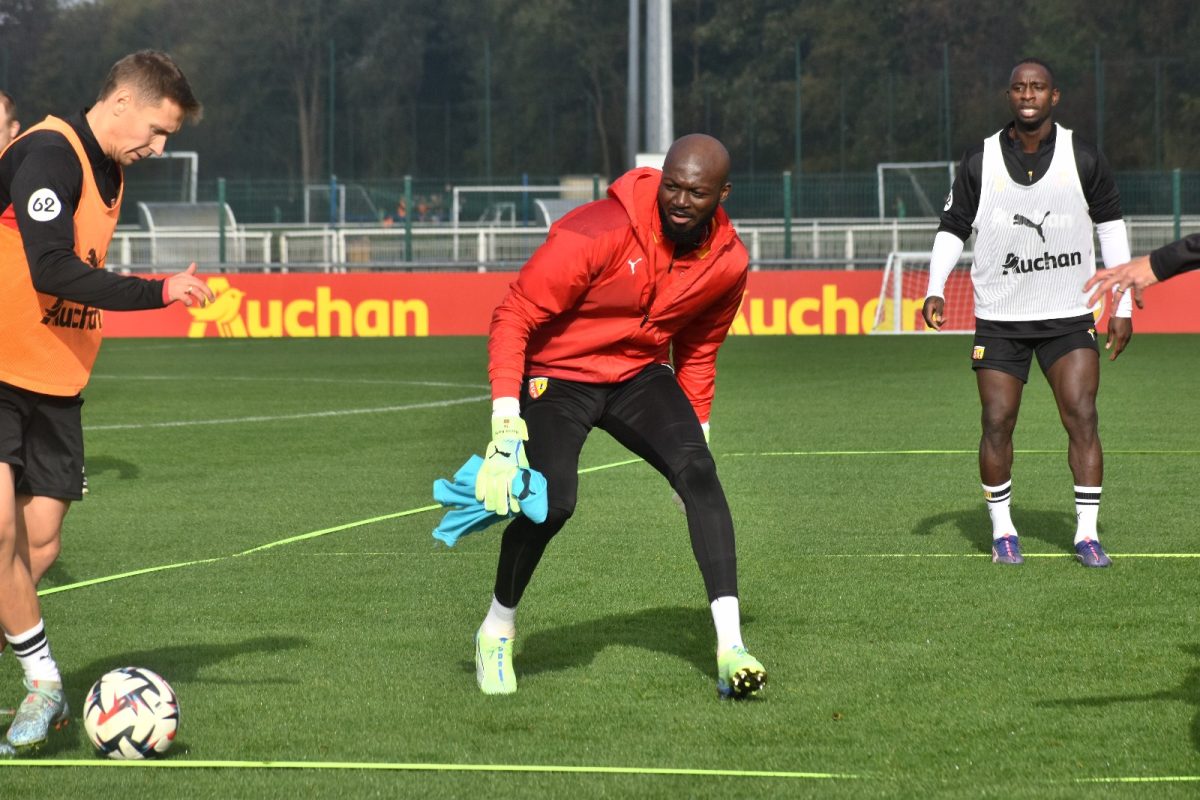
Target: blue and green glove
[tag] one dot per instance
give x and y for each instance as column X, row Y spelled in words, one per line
column 505, row 455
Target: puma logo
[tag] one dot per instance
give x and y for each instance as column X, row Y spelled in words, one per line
column 633, row 265
column 1028, row 223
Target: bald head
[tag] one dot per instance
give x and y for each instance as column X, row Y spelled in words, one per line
column 695, row 181
column 702, row 150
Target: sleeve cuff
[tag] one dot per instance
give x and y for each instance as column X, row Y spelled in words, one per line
column 506, row 407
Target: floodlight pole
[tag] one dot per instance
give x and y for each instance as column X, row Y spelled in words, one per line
column 660, row 119
column 221, row 220
column 946, row 95
column 632, row 97
column 332, row 91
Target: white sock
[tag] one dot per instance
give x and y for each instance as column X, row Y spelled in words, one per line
column 32, row 650
column 999, row 501
column 1087, row 510
column 728, row 621
column 501, row 621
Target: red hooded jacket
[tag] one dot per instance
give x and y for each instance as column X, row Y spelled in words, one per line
column 604, row 297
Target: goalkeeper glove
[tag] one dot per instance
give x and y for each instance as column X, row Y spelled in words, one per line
column 505, row 455
column 675, row 498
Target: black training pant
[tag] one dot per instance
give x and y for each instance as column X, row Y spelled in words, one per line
column 650, row 415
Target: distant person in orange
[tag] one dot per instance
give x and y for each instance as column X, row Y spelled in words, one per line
column 61, row 185
column 398, row 216
column 9, row 124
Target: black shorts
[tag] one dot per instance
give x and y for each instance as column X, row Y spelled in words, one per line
column 41, row 436
column 1012, row 354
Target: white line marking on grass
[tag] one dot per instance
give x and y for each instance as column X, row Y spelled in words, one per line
column 436, row 507
column 344, row 412
column 972, row 452
column 284, row 379
column 988, row 555
column 291, row 539
column 1160, row 779
column 367, row 765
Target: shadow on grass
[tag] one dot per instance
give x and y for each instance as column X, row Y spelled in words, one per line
column 1188, row 691
column 102, row 467
column 1054, row 528
column 178, row 665
column 686, row 633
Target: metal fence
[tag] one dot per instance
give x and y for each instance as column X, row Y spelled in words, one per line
column 814, row 244
column 819, row 195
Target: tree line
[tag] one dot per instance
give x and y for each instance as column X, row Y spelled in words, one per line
column 463, row 89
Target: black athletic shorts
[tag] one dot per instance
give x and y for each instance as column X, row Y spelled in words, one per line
column 1010, row 346
column 41, row 436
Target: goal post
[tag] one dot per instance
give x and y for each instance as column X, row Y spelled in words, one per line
column 913, row 188
column 902, row 294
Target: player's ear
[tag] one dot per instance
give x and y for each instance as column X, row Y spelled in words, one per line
column 1054, row 95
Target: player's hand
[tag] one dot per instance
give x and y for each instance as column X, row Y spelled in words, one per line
column 1120, row 329
column 934, row 312
column 505, row 455
column 1135, row 275
column 675, row 498
column 187, row 288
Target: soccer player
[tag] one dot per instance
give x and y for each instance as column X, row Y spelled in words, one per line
column 60, row 198
column 1031, row 193
column 1165, row 262
column 9, row 124
column 623, row 288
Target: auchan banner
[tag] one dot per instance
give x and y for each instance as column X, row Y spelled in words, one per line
column 460, row 304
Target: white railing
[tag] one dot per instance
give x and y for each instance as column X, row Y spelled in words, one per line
column 828, row 244
column 172, row 249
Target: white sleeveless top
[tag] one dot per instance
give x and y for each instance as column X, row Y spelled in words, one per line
column 1033, row 244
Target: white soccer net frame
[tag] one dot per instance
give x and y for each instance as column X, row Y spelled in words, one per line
column 352, row 195
column 902, row 294
column 929, row 200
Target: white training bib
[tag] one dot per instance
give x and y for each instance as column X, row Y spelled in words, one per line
column 1033, row 244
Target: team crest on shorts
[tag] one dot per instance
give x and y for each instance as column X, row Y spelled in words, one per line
column 977, row 353
column 537, row 387
column 1092, row 331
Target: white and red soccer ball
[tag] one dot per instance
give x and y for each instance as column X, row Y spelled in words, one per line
column 131, row 713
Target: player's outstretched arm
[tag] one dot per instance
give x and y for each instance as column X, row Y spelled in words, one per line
column 1135, row 275
column 187, row 288
column 934, row 312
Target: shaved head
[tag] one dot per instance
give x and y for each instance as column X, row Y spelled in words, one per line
column 706, row 152
column 695, row 181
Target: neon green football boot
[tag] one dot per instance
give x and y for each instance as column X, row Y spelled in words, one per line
column 494, row 663
column 739, row 674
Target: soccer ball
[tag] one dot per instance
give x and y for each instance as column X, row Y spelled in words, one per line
column 131, row 713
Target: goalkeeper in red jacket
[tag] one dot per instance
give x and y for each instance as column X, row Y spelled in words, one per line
column 615, row 323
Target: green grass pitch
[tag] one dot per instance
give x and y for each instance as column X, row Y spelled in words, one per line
column 901, row 659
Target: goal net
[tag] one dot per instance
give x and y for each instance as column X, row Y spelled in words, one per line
column 338, row 203
column 168, row 178
column 913, row 189
column 902, row 293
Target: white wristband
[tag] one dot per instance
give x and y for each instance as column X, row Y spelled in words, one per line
column 506, row 407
